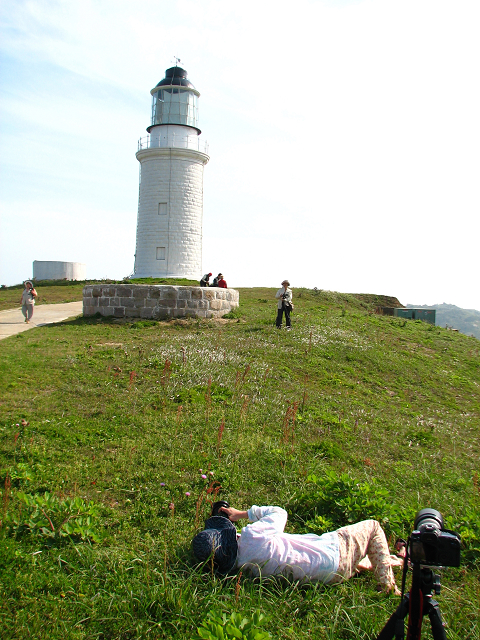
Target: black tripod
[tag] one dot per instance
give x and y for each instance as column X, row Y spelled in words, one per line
column 416, row 604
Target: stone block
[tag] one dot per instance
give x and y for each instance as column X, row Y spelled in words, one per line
column 109, row 291
column 181, row 304
column 184, row 293
column 124, row 292
column 150, row 304
column 87, row 292
column 108, row 311
column 95, row 302
column 221, row 294
column 127, row 302
column 96, row 291
column 141, row 291
column 197, row 293
column 208, row 294
column 168, row 293
column 146, row 313
column 139, row 303
column 216, row 304
column 160, row 314
column 103, row 302
column 197, row 304
column 165, row 304
column 132, row 313
column 119, row 312
column 115, row 302
column 154, row 292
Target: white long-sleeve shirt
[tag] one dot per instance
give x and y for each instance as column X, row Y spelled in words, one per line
column 264, row 549
column 280, row 293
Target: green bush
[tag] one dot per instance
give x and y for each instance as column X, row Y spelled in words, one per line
column 215, row 627
column 53, row 518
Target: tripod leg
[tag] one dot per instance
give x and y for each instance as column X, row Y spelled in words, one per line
column 395, row 624
column 438, row 628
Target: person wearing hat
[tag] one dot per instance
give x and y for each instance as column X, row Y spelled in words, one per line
column 221, row 281
column 262, row 548
column 284, row 305
column 205, row 279
column 28, row 300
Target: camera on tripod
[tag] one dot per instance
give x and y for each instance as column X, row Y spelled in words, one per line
column 431, row 544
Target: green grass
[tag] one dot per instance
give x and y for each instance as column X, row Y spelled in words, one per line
column 386, row 416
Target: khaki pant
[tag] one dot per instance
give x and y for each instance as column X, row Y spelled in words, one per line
column 362, row 539
column 27, row 310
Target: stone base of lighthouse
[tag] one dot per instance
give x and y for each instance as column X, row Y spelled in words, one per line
column 158, row 302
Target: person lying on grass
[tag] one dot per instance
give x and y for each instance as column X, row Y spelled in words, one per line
column 263, row 548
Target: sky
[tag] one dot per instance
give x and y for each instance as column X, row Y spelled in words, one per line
column 343, row 136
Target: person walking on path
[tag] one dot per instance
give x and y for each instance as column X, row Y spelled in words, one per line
column 221, row 281
column 28, row 300
column 264, row 549
column 205, row 280
column 284, row 296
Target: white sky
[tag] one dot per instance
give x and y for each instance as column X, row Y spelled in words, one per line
column 344, row 138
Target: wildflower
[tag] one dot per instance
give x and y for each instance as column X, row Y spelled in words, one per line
column 201, row 470
column 204, row 476
column 171, row 506
column 187, row 493
column 210, row 473
column 162, row 484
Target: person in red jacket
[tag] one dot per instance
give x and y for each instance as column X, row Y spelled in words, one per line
column 221, row 282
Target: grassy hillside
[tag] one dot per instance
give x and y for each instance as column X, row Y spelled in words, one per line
column 107, row 430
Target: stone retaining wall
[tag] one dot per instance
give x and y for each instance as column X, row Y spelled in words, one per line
column 157, row 301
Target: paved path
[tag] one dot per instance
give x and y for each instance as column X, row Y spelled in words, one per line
column 13, row 322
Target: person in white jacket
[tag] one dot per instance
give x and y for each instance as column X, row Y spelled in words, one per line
column 284, row 296
column 263, row 548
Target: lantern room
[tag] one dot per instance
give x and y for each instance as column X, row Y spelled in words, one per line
column 175, row 100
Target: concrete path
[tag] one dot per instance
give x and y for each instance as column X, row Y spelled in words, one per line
column 13, row 322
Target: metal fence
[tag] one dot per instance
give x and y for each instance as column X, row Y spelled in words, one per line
column 172, row 140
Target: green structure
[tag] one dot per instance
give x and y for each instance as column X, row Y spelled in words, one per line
column 427, row 315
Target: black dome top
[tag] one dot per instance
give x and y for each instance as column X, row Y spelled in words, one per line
column 175, row 76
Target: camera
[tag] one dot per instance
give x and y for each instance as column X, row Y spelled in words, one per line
column 217, row 506
column 432, row 544
column 284, row 296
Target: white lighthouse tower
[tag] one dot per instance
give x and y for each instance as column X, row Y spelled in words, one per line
column 170, row 202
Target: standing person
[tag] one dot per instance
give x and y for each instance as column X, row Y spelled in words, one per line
column 263, row 548
column 205, row 279
column 284, row 305
column 221, row 282
column 28, row 300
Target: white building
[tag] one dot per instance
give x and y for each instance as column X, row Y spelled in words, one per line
column 54, row 270
column 170, row 202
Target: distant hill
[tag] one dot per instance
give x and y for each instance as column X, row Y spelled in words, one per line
column 467, row 321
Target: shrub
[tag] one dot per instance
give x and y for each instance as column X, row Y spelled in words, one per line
column 53, row 518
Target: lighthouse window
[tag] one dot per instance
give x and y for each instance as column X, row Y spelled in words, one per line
column 174, row 106
column 160, row 253
column 162, row 209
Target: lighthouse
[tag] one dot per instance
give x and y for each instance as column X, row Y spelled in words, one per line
column 170, row 199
